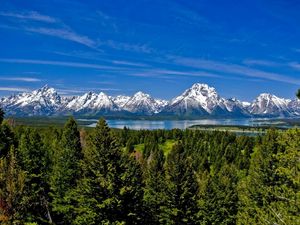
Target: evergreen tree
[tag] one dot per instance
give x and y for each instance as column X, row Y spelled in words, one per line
column 65, row 171
column 286, row 203
column 35, row 162
column 257, row 190
column 131, row 191
column 219, row 200
column 6, row 139
column 130, row 145
column 107, row 185
column 12, row 180
column 154, row 196
column 298, row 94
column 182, row 189
column 1, row 115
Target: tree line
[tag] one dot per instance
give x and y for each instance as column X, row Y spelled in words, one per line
column 72, row 175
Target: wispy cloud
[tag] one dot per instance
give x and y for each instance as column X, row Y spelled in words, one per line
column 78, row 91
column 66, row 34
column 91, row 55
column 109, row 89
column 106, row 21
column 58, row 63
column 258, row 62
column 127, row 63
column 70, row 92
column 141, row 48
column 63, row 31
column 16, row 89
column 103, row 82
column 295, row 65
column 164, row 73
column 32, row 15
column 234, row 69
column 24, row 79
column 189, row 16
column 100, row 57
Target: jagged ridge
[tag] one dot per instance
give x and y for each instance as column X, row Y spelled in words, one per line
column 199, row 100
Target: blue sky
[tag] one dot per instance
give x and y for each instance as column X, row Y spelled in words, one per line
column 162, row 47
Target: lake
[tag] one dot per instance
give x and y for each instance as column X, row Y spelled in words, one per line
column 180, row 124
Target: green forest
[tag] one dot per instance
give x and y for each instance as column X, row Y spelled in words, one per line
column 74, row 175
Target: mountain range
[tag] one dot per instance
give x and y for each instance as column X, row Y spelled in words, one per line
column 198, row 101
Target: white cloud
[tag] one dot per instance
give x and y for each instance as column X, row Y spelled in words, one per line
column 295, row 65
column 64, row 34
column 127, row 63
column 234, row 69
column 18, row 89
column 142, row 48
column 32, row 15
column 58, row 63
column 259, row 62
column 25, row 79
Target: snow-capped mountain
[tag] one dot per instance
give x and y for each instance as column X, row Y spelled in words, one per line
column 120, row 100
column 141, row 103
column 270, row 105
column 43, row 101
column 91, row 103
column 198, row 101
column 237, row 107
column 294, row 106
column 161, row 104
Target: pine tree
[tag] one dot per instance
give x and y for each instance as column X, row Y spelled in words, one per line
column 298, row 94
column 107, row 185
column 131, row 191
column 12, row 180
column 154, row 196
column 6, row 139
column 130, row 145
column 257, row 190
column 219, row 200
column 1, row 115
column 286, row 192
column 65, row 172
column 34, row 160
column 182, row 189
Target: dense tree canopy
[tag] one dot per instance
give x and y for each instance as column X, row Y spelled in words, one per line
column 1, row 115
column 73, row 175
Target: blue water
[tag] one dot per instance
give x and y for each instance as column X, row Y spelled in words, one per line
column 171, row 124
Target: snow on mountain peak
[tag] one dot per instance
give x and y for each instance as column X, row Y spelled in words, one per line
column 199, row 100
column 200, row 95
column 45, row 90
column 142, row 103
column 120, row 100
column 38, row 102
column 200, row 86
column 140, row 94
column 91, row 101
column 268, row 104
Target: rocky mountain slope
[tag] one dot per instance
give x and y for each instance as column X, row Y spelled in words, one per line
column 200, row 100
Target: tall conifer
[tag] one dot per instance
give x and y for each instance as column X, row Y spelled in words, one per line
column 65, row 171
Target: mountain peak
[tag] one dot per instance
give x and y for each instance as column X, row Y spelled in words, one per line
column 199, row 100
column 268, row 104
column 266, row 95
column 46, row 89
column 102, row 94
column 200, row 86
column 141, row 94
column 201, row 89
